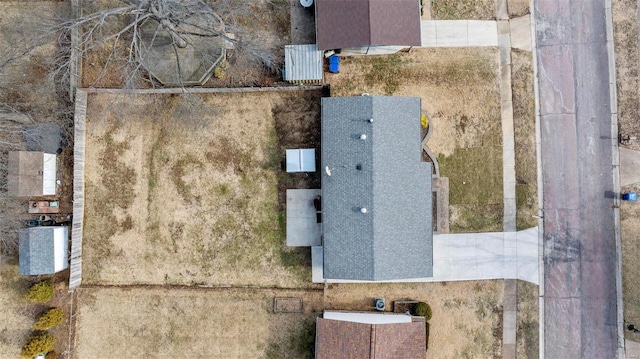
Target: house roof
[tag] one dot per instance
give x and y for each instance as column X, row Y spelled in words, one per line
column 43, row 250
column 351, row 23
column 382, row 173
column 31, row 174
column 339, row 339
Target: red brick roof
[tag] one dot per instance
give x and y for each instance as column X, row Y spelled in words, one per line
column 352, row 23
column 337, row 339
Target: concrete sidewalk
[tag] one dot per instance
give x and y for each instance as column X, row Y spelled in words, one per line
column 629, row 166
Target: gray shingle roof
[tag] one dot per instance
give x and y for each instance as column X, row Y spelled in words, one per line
column 394, row 239
column 37, row 250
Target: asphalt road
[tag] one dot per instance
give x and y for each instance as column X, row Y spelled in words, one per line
column 575, row 121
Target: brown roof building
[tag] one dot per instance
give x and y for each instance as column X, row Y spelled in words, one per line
column 337, row 339
column 31, row 174
column 353, row 23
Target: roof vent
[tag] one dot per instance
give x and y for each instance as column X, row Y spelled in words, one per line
column 359, row 167
column 363, row 210
column 370, row 120
column 363, row 137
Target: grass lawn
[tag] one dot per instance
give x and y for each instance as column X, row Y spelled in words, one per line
column 527, row 325
column 525, row 139
column 460, row 92
column 630, row 232
column 193, row 323
column 184, row 189
column 463, row 9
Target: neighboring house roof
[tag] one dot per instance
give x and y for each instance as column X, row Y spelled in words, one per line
column 337, row 339
column 351, row 23
column 31, row 174
column 43, row 250
column 383, row 173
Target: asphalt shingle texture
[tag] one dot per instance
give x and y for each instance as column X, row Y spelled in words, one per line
column 384, row 174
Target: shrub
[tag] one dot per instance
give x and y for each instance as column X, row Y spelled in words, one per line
column 422, row 309
column 40, row 292
column 49, row 319
column 424, row 120
column 37, row 344
column 218, row 73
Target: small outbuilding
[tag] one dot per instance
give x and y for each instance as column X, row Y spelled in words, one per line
column 43, row 250
column 303, row 64
column 31, row 174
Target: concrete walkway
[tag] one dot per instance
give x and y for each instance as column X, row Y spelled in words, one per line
column 458, row 33
column 629, row 166
column 632, row 349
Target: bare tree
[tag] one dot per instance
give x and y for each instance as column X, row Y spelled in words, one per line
column 123, row 35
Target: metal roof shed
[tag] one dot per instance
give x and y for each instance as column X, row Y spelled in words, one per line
column 303, row 63
column 43, row 250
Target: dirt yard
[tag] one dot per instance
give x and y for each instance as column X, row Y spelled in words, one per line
column 460, row 93
column 467, row 316
column 198, row 323
column 185, row 190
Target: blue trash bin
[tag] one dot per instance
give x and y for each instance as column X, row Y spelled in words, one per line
column 334, row 64
column 630, row 196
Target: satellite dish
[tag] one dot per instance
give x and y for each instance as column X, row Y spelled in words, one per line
column 327, row 170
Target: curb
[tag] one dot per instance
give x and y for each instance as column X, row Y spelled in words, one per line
column 613, row 99
column 536, row 95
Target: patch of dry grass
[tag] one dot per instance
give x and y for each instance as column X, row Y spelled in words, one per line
column 527, row 326
column 180, row 323
column 467, row 316
column 463, row 9
column 518, row 8
column 525, row 139
column 170, row 203
column 17, row 314
column 626, row 38
column 630, row 232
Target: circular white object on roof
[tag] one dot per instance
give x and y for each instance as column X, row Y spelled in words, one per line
column 306, row 3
